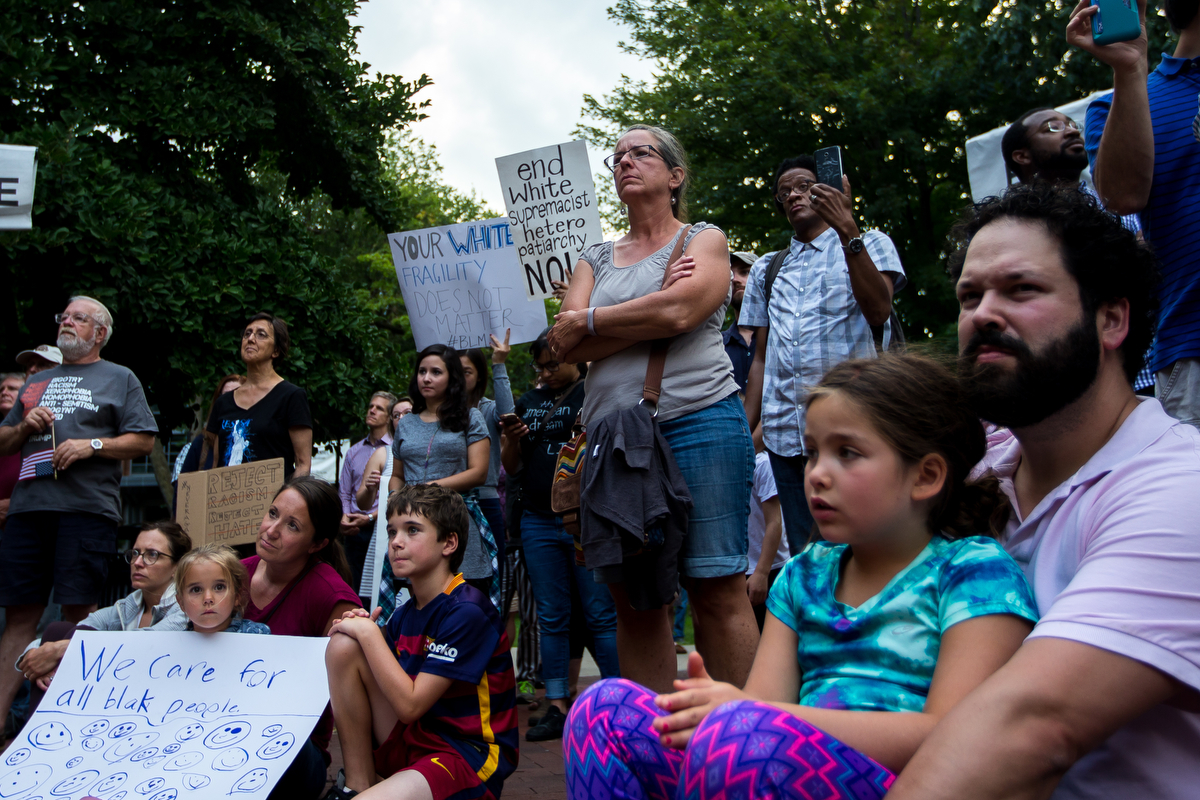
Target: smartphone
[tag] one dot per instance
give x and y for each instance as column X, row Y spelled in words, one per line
column 1116, row 21
column 829, row 166
column 509, row 419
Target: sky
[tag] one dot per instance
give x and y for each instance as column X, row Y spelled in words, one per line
column 504, row 81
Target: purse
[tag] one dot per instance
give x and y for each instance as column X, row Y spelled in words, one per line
column 564, row 492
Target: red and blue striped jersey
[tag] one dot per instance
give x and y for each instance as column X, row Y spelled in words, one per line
column 459, row 635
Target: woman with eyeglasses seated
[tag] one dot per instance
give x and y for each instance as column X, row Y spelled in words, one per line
column 617, row 305
column 150, row 606
column 266, row 417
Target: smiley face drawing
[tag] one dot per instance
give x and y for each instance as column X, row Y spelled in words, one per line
column 105, row 787
column 152, row 785
column 227, row 734
column 24, row 779
column 183, row 761
column 17, row 756
column 128, row 746
column 251, row 782
column 92, row 743
column 230, row 759
column 75, row 783
column 51, row 736
column 74, row 762
column 189, row 731
column 122, row 730
column 271, row 730
column 119, row 795
column 169, row 794
column 276, row 747
column 193, row 781
column 96, row 728
column 142, row 755
column 150, row 762
column 172, row 749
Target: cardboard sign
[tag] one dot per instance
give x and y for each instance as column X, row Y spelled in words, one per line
column 462, row 282
column 226, row 505
column 133, row 715
column 18, row 171
column 551, row 202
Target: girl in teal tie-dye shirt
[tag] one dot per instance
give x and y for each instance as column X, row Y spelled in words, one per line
column 873, row 634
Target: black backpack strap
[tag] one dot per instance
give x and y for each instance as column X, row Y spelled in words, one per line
column 773, row 273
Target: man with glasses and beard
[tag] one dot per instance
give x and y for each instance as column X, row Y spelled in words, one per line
column 1057, row 306
column 73, row 424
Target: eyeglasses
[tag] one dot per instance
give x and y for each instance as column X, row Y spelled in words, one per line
column 150, row 557
column 78, row 317
column 400, row 413
column 1059, row 125
column 787, row 191
column 256, row 333
column 549, row 366
column 638, row 152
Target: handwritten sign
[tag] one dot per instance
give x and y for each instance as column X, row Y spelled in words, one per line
column 226, row 505
column 551, row 202
column 158, row 716
column 18, row 170
column 462, row 282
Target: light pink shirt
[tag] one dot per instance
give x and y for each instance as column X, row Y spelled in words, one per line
column 1113, row 557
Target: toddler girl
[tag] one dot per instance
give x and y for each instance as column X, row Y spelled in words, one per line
column 212, row 587
column 871, row 635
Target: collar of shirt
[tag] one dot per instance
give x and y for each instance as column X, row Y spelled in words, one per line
column 731, row 334
column 1170, row 66
column 820, row 244
column 386, row 439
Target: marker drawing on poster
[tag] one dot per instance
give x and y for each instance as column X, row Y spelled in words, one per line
column 160, row 716
column 551, row 203
column 462, row 283
column 18, row 171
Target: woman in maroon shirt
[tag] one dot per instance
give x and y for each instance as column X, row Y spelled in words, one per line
column 299, row 584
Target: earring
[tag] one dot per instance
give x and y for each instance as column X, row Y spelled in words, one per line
column 624, row 210
column 673, row 199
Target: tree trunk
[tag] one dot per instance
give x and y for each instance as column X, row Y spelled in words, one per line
column 162, row 472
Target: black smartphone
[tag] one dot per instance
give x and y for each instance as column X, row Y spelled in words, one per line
column 829, row 166
column 509, row 419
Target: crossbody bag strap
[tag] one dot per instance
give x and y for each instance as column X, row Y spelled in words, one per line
column 652, row 387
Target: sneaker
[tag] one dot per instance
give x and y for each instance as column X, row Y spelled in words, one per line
column 680, row 649
column 339, row 793
column 549, row 726
column 526, row 693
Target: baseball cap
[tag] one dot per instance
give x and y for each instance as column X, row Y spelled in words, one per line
column 46, row 351
column 746, row 257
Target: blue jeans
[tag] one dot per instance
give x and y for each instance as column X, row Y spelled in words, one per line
column 789, row 482
column 714, row 452
column 680, row 615
column 550, row 559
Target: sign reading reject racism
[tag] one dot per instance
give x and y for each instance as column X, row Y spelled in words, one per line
column 226, row 505
column 461, row 283
column 551, row 203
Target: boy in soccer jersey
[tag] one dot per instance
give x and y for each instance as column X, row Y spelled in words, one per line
column 429, row 702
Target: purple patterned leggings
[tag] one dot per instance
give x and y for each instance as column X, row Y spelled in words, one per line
column 741, row 750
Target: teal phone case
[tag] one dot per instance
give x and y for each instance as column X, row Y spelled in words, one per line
column 1117, row 21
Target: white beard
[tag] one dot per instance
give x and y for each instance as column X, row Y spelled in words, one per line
column 73, row 348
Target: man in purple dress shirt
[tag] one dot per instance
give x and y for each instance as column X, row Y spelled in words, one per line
column 357, row 522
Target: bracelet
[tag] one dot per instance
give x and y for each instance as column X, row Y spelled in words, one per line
column 592, row 320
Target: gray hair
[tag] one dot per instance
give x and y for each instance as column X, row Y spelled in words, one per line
column 673, row 154
column 18, row 375
column 388, row 396
column 103, row 316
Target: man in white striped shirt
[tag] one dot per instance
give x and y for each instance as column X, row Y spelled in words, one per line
column 834, row 284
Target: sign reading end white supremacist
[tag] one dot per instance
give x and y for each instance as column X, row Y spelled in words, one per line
column 226, row 505
column 461, row 284
column 551, row 203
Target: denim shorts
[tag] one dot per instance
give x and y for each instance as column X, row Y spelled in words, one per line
column 714, row 452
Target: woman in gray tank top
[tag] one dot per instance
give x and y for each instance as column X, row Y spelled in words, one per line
column 616, row 306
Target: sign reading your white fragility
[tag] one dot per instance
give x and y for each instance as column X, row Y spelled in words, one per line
column 461, row 283
column 551, row 203
column 158, row 716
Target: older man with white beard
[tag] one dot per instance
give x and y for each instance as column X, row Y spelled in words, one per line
column 73, row 425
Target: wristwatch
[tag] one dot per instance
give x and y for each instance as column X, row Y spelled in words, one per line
column 97, row 444
column 855, row 245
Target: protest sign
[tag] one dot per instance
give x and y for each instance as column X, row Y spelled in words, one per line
column 461, row 283
column 551, row 202
column 227, row 504
column 157, row 716
column 18, row 169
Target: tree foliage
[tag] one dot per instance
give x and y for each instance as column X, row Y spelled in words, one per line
column 900, row 86
column 200, row 161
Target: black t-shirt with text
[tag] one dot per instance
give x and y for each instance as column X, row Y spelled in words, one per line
column 539, row 448
column 261, row 432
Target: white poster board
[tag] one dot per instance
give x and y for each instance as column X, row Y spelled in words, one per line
column 18, row 171
column 985, row 161
column 462, row 282
column 158, row 716
column 551, row 203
